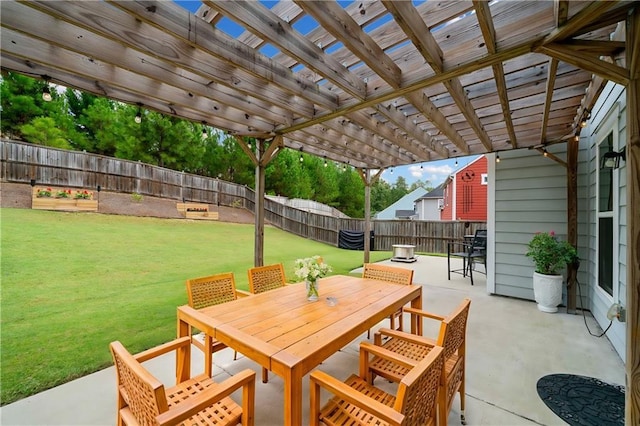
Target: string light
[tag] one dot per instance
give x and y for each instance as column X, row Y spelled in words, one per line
column 456, row 163
column 301, row 158
column 204, row 130
column 497, row 158
column 46, row 93
column 138, row 118
column 249, row 145
column 325, row 161
column 544, row 152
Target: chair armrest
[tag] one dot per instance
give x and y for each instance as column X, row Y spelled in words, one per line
column 245, row 379
column 396, row 334
column 367, row 348
column 320, row 379
column 423, row 313
column 243, row 293
column 163, row 349
column 452, row 245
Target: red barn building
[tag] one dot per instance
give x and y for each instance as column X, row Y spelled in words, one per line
column 465, row 193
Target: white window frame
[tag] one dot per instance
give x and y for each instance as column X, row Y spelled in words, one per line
column 608, row 126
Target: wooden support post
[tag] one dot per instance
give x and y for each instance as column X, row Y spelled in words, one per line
column 632, row 52
column 367, row 214
column 368, row 181
column 258, row 256
column 572, row 220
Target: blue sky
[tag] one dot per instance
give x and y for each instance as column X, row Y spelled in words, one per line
column 435, row 172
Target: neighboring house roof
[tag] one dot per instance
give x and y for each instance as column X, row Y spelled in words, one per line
column 404, row 203
column 436, row 193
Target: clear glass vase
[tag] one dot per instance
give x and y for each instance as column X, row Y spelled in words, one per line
column 312, row 290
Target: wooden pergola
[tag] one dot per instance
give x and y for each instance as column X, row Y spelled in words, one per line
column 373, row 85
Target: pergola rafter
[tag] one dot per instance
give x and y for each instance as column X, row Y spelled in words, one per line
column 379, row 80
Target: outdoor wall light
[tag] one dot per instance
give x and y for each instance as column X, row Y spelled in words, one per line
column 611, row 159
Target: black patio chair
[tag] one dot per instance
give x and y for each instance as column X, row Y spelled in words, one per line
column 471, row 252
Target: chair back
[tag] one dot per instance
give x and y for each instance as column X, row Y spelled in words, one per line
column 453, row 330
column 387, row 273
column 479, row 240
column 211, row 290
column 265, row 278
column 141, row 392
column 417, row 392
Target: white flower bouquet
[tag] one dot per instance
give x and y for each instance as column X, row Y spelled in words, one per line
column 311, row 268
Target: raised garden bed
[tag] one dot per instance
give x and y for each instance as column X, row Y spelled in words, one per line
column 67, row 199
column 196, row 211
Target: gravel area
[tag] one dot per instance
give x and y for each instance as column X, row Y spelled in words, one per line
column 17, row 195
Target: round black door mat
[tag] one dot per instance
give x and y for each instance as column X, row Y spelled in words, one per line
column 584, row 401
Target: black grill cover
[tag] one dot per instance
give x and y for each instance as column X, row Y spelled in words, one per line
column 353, row 240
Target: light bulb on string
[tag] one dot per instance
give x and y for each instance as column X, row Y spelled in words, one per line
column 46, row 92
column 325, row 161
column 497, row 158
column 138, row 118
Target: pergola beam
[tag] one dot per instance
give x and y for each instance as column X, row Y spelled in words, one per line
column 266, row 24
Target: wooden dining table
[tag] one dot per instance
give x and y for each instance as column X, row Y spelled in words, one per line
column 284, row 332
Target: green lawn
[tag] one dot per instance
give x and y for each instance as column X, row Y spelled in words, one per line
column 73, row 282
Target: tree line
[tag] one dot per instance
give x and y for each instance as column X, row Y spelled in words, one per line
column 82, row 121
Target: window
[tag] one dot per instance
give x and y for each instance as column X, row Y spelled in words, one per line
column 606, row 205
column 484, row 179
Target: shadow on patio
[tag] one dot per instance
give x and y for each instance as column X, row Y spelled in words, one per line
column 510, row 345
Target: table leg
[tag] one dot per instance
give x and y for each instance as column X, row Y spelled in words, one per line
column 183, row 358
column 208, row 355
column 416, row 322
column 293, row 398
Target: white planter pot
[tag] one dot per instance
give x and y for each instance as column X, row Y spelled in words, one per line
column 548, row 291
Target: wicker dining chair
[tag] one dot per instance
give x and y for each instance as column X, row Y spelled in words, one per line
column 392, row 274
column 144, row 400
column 358, row 402
column 265, row 278
column 208, row 291
column 452, row 337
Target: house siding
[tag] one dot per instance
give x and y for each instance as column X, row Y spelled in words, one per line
column 608, row 114
column 471, row 194
column 529, row 196
column 465, row 197
column 427, row 209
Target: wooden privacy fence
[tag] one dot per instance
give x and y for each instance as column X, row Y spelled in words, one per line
column 23, row 162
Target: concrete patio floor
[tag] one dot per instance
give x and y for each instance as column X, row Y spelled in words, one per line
column 510, row 345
